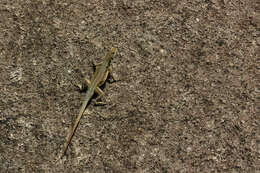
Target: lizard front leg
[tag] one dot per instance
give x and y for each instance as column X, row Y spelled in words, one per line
column 111, row 75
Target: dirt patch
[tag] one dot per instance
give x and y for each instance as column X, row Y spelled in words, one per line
column 186, row 101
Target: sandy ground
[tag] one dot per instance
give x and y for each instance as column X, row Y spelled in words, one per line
column 186, row 100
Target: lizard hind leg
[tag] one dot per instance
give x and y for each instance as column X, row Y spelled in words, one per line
column 98, row 91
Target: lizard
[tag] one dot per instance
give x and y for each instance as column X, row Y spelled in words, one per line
column 97, row 80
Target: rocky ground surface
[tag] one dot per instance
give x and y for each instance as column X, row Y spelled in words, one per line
column 186, row 100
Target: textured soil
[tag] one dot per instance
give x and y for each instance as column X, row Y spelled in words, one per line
column 187, row 100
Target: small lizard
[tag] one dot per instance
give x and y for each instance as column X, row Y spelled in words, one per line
column 97, row 80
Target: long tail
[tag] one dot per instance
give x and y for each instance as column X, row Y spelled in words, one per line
column 82, row 109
